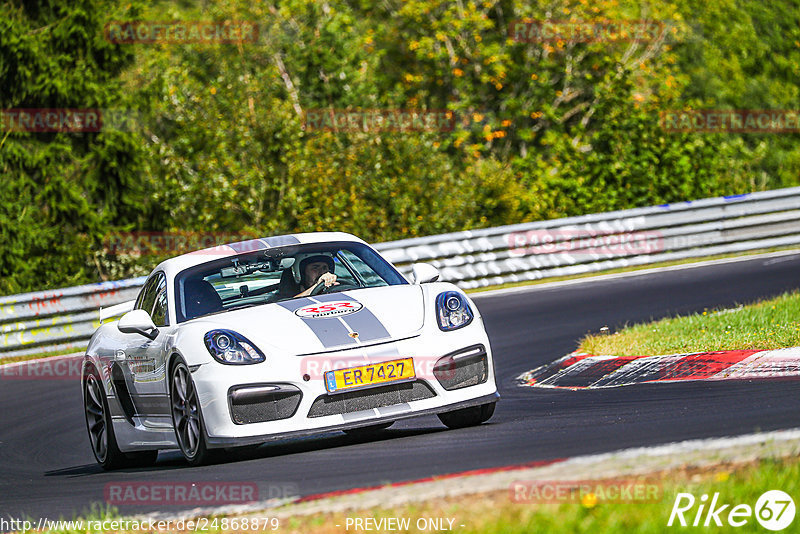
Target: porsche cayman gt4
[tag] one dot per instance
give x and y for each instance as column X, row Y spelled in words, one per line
column 272, row 338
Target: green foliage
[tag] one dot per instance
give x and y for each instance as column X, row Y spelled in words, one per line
column 746, row 55
column 218, row 141
column 59, row 190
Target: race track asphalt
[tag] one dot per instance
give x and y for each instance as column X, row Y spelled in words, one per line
column 47, row 469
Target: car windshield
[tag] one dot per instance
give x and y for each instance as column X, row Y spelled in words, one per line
column 273, row 275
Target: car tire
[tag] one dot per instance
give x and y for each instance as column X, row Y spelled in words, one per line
column 101, row 430
column 487, row 411
column 187, row 420
column 367, row 430
column 474, row 415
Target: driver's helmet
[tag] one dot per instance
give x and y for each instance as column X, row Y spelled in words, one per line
column 301, row 260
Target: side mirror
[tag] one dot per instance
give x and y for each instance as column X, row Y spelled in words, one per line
column 138, row 322
column 424, row 273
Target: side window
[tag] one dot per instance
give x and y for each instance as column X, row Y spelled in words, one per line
column 342, row 273
column 365, row 272
column 159, row 314
column 147, row 295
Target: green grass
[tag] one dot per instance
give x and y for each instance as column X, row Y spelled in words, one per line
column 769, row 324
column 496, row 511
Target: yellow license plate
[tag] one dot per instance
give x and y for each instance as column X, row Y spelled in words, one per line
column 365, row 376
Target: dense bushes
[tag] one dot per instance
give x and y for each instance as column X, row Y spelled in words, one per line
column 219, row 142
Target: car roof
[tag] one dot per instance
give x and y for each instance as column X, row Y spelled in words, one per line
column 173, row 266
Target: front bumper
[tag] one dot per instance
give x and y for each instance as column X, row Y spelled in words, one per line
column 216, row 383
column 217, row 442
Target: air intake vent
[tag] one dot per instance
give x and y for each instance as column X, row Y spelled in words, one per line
column 367, row 399
column 467, row 367
column 264, row 402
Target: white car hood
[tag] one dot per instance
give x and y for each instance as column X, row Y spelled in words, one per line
column 330, row 322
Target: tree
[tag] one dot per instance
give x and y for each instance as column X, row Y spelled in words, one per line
column 60, row 189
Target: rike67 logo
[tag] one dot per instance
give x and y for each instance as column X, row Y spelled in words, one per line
column 774, row 510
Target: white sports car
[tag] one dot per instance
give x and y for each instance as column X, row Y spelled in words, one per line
column 277, row 337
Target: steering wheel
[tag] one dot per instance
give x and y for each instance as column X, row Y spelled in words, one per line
column 322, row 288
column 319, row 289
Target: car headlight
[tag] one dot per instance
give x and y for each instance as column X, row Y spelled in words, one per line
column 452, row 310
column 226, row 346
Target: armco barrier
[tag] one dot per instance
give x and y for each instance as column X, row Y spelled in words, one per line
column 602, row 241
column 66, row 318
column 58, row 319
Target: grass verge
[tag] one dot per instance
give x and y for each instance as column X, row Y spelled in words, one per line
column 768, row 324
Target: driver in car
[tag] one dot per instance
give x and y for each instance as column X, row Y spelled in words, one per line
column 315, row 270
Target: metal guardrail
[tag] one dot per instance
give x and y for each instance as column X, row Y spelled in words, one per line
column 597, row 242
column 66, row 318
column 60, row 319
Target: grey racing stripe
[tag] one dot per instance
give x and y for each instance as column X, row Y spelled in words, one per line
column 254, row 245
column 251, row 245
column 279, row 241
column 368, row 326
column 330, row 331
